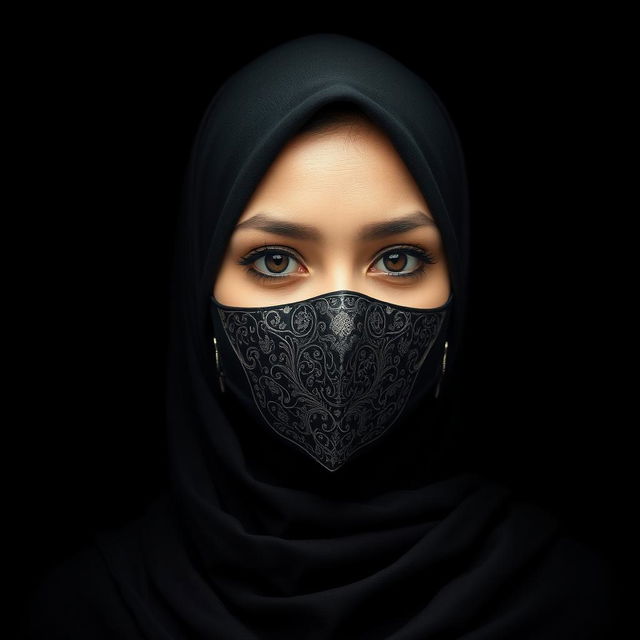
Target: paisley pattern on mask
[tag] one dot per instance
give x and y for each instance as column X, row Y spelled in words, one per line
column 332, row 373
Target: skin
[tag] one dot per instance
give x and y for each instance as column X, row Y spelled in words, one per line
column 338, row 182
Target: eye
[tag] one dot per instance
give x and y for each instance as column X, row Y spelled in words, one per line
column 271, row 263
column 276, row 263
column 403, row 261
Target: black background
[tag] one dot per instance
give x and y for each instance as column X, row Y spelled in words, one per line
column 107, row 114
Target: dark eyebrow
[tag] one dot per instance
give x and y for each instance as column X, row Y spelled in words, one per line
column 373, row 231
column 407, row 222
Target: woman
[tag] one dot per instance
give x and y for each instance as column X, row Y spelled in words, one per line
column 318, row 488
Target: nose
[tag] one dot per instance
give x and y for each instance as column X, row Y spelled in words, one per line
column 340, row 275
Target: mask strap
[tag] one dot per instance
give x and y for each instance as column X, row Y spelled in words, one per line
column 218, row 365
column 444, row 364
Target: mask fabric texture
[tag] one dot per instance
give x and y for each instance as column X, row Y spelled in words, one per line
column 330, row 374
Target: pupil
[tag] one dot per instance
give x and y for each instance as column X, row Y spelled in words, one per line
column 278, row 260
column 395, row 261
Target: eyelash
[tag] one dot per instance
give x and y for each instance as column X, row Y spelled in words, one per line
column 426, row 257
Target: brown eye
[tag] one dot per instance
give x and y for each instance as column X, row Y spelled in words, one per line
column 276, row 262
column 395, row 261
column 272, row 264
column 403, row 262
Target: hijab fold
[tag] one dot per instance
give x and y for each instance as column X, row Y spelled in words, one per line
column 255, row 541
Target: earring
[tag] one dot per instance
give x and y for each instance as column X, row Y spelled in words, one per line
column 444, row 364
column 218, row 367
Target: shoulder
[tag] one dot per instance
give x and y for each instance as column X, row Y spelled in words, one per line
column 584, row 588
column 558, row 586
column 78, row 599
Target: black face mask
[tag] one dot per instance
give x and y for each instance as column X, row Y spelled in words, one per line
column 330, row 374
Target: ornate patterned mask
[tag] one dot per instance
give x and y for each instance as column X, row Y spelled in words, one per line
column 332, row 373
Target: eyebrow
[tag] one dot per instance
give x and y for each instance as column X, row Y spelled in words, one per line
column 373, row 231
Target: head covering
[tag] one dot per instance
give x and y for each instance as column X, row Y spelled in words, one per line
column 255, row 542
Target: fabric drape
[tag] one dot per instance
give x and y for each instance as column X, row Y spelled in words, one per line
column 253, row 542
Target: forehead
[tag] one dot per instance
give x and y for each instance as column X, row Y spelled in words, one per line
column 352, row 168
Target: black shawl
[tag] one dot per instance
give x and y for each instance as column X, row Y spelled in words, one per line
column 255, row 541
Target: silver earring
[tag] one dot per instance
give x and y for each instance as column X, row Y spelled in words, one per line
column 218, row 367
column 444, row 364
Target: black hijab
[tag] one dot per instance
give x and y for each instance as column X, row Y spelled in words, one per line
column 253, row 541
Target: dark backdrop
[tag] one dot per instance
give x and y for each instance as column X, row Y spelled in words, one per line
column 109, row 113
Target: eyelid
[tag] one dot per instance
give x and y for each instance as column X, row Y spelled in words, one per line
column 254, row 254
column 259, row 252
column 406, row 247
